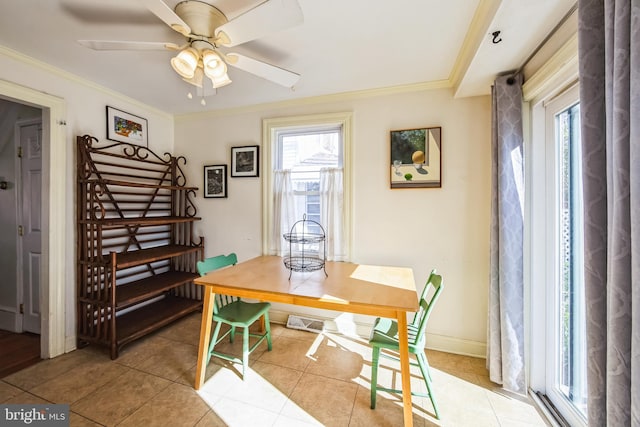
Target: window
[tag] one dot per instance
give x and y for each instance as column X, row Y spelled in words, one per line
column 307, row 153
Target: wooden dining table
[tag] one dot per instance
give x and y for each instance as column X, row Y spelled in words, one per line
column 382, row 291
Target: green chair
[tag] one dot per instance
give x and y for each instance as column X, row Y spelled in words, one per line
column 385, row 335
column 235, row 313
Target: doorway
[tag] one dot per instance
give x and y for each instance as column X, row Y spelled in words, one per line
column 20, row 234
column 54, row 273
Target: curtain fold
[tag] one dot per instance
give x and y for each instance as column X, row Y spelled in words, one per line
column 505, row 335
column 284, row 211
column 331, row 212
column 609, row 70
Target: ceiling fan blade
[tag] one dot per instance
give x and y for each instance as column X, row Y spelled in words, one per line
column 166, row 14
column 127, row 45
column 268, row 17
column 262, row 69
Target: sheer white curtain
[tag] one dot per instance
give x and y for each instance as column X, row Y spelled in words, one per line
column 331, row 212
column 284, row 211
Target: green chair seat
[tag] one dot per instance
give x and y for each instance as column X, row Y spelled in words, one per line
column 385, row 335
column 240, row 313
column 236, row 313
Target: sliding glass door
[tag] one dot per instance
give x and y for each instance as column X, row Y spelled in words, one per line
column 558, row 345
column 566, row 383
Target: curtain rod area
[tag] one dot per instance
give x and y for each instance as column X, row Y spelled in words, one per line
column 511, row 80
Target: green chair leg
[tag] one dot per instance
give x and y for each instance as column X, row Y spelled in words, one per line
column 375, row 360
column 212, row 344
column 245, row 350
column 267, row 328
column 424, row 368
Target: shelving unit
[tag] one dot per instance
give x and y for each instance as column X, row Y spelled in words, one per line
column 136, row 250
column 306, row 239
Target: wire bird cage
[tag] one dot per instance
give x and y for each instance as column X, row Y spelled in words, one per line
column 307, row 250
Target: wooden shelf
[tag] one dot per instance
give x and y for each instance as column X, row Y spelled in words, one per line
column 149, row 220
column 141, row 290
column 137, row 323
column 137, row 184
column 145, row 256
column 130, row 198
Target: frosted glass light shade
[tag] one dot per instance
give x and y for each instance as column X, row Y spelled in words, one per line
column 214, row 66
column 220, row 81
column 185, row 62
column 197, row 78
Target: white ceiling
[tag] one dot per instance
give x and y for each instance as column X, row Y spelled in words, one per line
column 342, row 46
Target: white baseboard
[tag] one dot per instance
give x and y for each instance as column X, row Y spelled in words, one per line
column 361, row 329
column 70, row 344
column 9, row 321
column 456, row 345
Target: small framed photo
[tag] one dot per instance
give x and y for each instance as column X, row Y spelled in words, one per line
column 125, row 127
column 215, row 181
column 245, row 161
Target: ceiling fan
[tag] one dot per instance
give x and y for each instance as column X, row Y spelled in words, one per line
column 206, row 29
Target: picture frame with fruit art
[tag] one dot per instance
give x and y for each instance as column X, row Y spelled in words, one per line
column 416, row 158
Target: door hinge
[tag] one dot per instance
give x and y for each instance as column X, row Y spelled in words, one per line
column 21, row 308
column 20, row 152
column 20, row 230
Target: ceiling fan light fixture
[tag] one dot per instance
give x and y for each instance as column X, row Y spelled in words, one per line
column 210, row 58
column 219, row 81
column 213, row 65
column 197, row 78
column 185, row 63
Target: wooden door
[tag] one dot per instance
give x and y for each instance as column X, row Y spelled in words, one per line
column 30, row 140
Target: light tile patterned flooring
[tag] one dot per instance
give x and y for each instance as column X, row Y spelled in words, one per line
column 308, row 379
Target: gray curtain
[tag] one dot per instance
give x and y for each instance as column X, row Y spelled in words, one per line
column 505, row 340
column 609, row 67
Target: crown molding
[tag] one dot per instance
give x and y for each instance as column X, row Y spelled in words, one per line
column 482, row 19
column 322, row 99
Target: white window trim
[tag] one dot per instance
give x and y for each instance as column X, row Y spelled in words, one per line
column 270, row 127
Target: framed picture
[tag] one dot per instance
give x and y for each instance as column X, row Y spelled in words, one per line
column 215, row 181
column 245, row 161
column 416, row 158
column 125, row 127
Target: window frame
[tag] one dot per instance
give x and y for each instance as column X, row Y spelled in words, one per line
column 270, row 129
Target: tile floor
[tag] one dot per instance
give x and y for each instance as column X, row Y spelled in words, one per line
column 308, row 379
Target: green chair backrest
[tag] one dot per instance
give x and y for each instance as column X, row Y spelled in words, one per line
column 423, row 295
column 426, row 304
column 214, row 263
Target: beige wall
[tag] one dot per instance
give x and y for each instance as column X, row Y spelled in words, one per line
column 445, row 228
